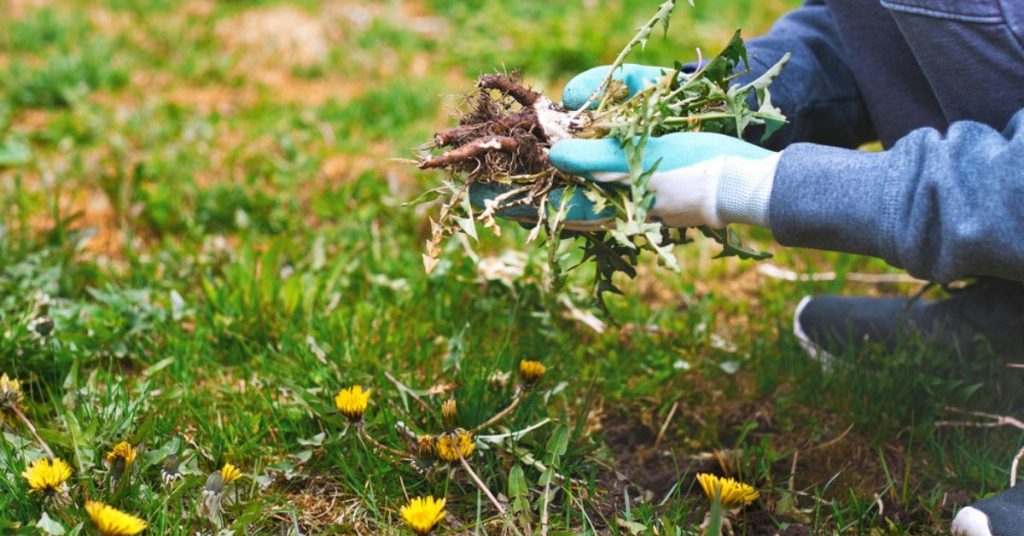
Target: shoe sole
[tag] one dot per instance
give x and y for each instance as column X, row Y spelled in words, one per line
column 812, row 349
column 971, row 522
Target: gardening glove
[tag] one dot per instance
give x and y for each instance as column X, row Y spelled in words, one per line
column 699, row 178
column 583, row 85
column 580, row 214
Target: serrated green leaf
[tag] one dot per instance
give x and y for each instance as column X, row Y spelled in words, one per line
column 731, row 245
column 721, row 68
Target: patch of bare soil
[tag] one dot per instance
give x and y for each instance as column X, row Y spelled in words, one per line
column 19, row 9
column 320, row 502
column 411, row 15
column 109, row 21
column 89, row 210
column 828, row 453
column 283, row 87
column 31, row 120
column 275, row 35
column 209, row 99
column 761, row 523
column 650, row 473
column 655, row 471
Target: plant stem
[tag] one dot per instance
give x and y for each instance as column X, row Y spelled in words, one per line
column 490, row 496
column 32, row 430
column 640, row 38
column 516, row 399
column 544, row 509
column 378, row 445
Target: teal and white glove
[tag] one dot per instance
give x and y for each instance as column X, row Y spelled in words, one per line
column 583, row 85
column 700, row 178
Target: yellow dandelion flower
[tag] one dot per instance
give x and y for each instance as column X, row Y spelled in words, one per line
column 229, row 473
column 531, row 371
column 352, row 402
column 422, row 513
column 112, row 522
column 123, row 453
column 450, row 413
column 47, row 475
column 732, row 492
column 458, row 444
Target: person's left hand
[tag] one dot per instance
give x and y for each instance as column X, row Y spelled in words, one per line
column 699, row 178
column 580, row 212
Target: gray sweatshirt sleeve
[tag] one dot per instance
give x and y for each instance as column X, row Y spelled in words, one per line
column 816, row 90
column 940, row 206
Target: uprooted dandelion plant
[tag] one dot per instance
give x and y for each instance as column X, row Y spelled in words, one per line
column 506, row 129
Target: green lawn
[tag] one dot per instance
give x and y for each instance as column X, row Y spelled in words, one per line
column 203, row 237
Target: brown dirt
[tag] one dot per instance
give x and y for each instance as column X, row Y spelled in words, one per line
column 109, row 21
column 274, row 86
column 92, row 211
column 276, row 36
column 654, row 471
column 761, row 523
column 413, row 16
column 828, row 450
column 650, row 474
column 31, row 120
column 18, row 9
column 321, row 503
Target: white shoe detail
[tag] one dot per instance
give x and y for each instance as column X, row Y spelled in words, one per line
column 970, row 521
column 813, row 350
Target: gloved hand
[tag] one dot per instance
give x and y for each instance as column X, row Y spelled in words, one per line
column 700, row 179
column 580, row 215
column 583, row 85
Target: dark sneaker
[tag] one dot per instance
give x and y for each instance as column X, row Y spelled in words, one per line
column 989, row 313
column 1001, row 515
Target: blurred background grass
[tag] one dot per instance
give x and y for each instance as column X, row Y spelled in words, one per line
column 206, row 199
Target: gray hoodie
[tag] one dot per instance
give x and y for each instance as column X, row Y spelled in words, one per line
column 941, row 83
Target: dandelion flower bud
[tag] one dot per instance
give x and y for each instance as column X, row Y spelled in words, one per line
column 121, row 457
column 531, row 371
column 450, row 413
column 425, row 446
column 170, row 472
column 229, row 473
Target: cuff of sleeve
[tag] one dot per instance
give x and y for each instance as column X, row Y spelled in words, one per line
column 834, row 199
column 745, row 190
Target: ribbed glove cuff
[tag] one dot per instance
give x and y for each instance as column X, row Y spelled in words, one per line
column 745, row 189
